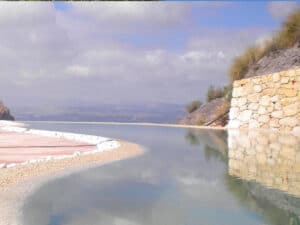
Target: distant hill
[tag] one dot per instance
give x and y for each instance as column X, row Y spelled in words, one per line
column 156, row 113
column 5, row 113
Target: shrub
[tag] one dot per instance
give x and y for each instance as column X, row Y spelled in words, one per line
column 286, row 37
column 193, row 106
column 228, row 92
column 200, row 121
column 213, row 93
column 290, row 31
column 242, row 63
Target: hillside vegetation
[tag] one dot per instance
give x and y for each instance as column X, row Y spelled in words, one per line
column 5, row 113
column 280, row 53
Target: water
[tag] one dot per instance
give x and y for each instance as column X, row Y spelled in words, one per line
column 186, row 177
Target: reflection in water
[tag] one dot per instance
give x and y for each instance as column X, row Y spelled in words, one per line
column 268, row 166
column 182, row 179
column 267, row 158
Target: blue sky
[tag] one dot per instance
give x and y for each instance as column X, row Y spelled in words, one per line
column 53, row 54
column 229, row 15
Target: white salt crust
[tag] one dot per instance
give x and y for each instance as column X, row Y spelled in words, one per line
column 102, row 143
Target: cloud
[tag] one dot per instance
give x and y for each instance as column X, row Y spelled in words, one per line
column 24, row 13
column 78, row 70
column 130, row 13
column 281, row 9
column 80, row 52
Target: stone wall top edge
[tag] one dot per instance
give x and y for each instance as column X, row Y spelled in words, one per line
column 244, row 80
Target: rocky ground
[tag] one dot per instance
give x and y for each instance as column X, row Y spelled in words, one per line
column 213, row 113
column 5, row 113
column 276, row 61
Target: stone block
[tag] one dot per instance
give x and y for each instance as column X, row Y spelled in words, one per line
column 256, row 80
column 274, row 123
column 269, row 91
column 287, row 92
column 276, row 77
column 265, row 100
column 262, row 110
column 234, row 124
column 291, row 110
column 253, row 124
column 283, row 74
column 242, row 101
column 284, row 80
column 237, row 92
column 234, row 102
column 274, row 99
column 277, row 106
column 253, row 97
column 287, row 101
column 289, row 121
column 257, row 88
column 291, row 73
column 253, row 106
column 233, row 113
column 243, row 108
column 270, row 108
column 277, row 114
column 245, row 116
column 263, row 119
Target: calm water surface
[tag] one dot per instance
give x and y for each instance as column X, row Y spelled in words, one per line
column 186, row 177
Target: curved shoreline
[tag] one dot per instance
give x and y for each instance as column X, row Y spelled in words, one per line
column 19, row 180
column 16, row 183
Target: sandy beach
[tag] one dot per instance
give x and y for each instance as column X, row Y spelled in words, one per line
column 18, row 182
column 31, row 159
column 23, row 173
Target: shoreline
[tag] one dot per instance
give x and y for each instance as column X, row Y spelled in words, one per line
column 19, row 180
column 129, row 123
column 94, row 143
column 17, row 183
column 21, row 173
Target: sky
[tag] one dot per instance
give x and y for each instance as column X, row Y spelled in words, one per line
column 119, row 53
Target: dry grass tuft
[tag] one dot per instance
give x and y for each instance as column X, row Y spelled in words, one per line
column 286, row 37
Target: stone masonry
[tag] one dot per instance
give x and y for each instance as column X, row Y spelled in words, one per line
column 269, row 102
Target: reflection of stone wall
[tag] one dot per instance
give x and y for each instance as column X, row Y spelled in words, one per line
column 270, row 158
column 269, row 101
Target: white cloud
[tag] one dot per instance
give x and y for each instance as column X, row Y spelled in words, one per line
column 24, row 12
column 78, row 70
column 132, row 13
column 280, row 9
column 79, row 52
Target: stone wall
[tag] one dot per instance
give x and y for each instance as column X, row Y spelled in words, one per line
column 270, row 101
column 269, row 158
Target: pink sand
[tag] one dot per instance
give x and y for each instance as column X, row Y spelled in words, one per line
column 21, row 147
